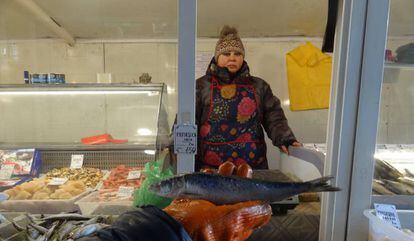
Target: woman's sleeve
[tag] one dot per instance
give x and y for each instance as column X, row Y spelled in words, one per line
column 274, row 119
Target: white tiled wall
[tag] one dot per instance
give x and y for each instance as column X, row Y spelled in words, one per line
column 80, row 63
column 266, row 58
column 128, row 61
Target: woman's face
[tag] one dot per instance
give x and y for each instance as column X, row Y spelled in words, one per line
column 233, row 61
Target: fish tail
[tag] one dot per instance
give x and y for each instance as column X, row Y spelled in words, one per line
column 321, row 185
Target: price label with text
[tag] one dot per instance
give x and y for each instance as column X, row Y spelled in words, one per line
column 57, row 181
column 125, row 192
column 185, row 139
column 6, row 172
column 134, row 175
column 388, row 213
column 76, row 161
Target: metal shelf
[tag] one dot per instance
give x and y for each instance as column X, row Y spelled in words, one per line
column 398, row 66
column 400, row 201
column 79, row 146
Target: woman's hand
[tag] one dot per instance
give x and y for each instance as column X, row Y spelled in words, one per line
column 204, row 221
column 285, row 149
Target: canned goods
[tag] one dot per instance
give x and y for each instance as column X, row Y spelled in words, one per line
column 35, row 79
column 61, row 78
column 43, row 78
column 52, row 78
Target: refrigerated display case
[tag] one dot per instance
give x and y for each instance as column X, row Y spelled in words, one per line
column 393, row 176
column 54, row 119
column 393, row 179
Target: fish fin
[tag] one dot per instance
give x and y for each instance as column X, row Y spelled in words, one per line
column 321, row 185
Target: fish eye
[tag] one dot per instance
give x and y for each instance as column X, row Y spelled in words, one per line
column 180, row 183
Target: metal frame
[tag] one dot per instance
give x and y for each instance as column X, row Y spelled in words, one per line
column 82, row 87
column 342, row 116
column 352, row 126
column 367, row 122
column 187, row 28
column 103, row 159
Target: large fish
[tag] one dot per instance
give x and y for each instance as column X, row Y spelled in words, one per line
column 220, row 189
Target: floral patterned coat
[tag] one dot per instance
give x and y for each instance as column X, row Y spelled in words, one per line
column 270, row 112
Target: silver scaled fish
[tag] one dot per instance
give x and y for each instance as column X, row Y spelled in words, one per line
column 220, row 189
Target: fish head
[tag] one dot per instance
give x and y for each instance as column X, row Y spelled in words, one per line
column 171, row 187
column 88, row 230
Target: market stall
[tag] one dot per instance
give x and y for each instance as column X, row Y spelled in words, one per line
column 90, row 92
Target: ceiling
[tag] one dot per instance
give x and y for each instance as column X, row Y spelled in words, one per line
column 143, row 19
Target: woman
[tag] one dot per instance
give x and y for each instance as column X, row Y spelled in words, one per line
column 233, row 107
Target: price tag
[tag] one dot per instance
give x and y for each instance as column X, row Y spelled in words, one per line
column 185, row 139
column 388, row 213
column 134, row 175
column 76, row 161
column 6, row 172
column 125, row 192
column 58, row 181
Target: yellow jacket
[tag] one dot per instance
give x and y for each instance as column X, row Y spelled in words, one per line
column 309, row 76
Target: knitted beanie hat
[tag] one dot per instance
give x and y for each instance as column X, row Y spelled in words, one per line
column 229, row 41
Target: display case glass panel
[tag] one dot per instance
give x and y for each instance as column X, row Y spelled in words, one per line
column 393, row 181
column 61, row 115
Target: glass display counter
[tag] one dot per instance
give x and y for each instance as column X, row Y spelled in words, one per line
column 55, row 119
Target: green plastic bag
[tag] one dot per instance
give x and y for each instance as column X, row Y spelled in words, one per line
column 153, row 174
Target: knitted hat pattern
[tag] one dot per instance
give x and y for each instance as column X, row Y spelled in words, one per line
column 229, row 41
